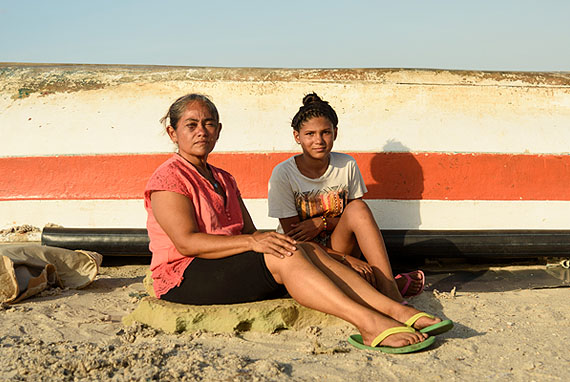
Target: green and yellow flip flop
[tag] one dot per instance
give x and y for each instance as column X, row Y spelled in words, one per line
column 432, row 330
column 356, row 341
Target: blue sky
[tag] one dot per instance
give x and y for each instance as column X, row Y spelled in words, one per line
column 482, row 35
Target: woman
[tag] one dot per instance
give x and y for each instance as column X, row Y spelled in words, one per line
column 317, row 197
column 206, row 249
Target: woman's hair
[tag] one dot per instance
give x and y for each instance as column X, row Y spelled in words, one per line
column 314, row 106
column 177, row 108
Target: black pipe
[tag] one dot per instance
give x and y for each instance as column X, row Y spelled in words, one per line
column 418, row 243
column 106, row 241
column 478, row 243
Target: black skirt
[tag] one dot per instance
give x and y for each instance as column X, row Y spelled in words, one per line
column 230, row 280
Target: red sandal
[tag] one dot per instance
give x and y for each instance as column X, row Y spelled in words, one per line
column 409, row 282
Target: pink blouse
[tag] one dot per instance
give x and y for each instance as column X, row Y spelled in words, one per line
column 213, row 216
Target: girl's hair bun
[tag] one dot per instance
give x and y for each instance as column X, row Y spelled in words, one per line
column 311, row 98
column 314, row 106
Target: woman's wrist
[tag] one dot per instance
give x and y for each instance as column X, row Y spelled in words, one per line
column 251, row 240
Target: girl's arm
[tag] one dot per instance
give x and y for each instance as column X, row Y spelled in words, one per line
column 287, row 223
column 308, row 229
column 176, row 216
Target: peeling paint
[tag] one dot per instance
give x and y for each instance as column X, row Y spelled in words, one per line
column 23, row 93
column 54, row 78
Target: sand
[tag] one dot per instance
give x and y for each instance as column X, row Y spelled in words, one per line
column 75, row 335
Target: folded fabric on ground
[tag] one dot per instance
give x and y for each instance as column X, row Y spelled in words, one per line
column 28, row 269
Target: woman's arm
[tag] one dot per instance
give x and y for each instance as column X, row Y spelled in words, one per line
column 176, row 216
column 248, row 226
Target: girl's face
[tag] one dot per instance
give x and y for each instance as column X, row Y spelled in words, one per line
column 316, row 137
column 197, row 131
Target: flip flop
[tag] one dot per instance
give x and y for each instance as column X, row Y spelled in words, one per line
column 432, row 330
column 409, row 282
column 356, row 341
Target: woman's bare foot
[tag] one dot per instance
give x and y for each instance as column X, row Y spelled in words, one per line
column 394, row 340
column 406, row 312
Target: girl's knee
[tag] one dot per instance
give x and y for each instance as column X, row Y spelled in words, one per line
column 357, row 206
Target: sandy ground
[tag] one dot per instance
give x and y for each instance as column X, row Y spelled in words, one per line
column 76, row 335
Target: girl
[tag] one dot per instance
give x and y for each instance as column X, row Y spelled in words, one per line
column 317, row 197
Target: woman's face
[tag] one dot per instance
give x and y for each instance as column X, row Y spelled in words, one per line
column 316, row 137
column 197, row 131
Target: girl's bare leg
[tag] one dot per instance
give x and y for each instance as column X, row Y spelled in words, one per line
column 312, row 288
column 357, row 226
column 359, row 290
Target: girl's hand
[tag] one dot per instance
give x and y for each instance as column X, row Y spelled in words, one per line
column 362, row 268
column 307, row 229
column 273, row 243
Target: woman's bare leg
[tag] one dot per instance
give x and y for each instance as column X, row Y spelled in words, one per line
column 359, row 290
column 357, row 226
column 309, row 286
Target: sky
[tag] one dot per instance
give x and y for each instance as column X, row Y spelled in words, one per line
column 508, row 35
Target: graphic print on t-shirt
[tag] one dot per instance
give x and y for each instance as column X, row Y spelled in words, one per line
column 328, row 202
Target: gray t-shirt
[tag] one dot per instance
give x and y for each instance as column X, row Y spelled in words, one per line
column 293, row 194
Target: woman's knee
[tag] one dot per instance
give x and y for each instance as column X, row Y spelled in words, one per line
column 277, row 266
column 274, row 264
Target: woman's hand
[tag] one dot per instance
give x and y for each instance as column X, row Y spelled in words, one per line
column 307, row 229
column 362, row 268
column 273, row 243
